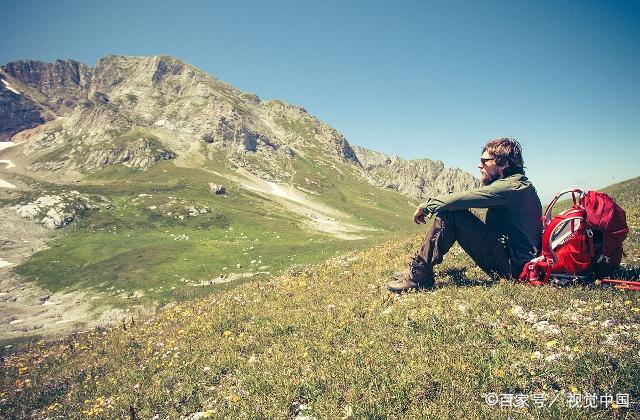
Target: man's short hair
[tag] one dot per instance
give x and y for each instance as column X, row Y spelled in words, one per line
column 507, row 153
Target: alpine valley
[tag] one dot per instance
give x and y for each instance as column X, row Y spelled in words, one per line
column 145, row 180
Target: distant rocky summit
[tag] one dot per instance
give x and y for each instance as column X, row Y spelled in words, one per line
column 136, row 111
column 419, row 178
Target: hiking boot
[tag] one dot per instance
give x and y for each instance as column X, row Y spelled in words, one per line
column 418, row 277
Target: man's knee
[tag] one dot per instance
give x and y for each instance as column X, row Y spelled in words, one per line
column 448, row 224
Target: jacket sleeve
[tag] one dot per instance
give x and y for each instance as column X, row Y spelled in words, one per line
column 483, row 197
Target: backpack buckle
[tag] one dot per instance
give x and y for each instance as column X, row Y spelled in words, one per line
column 589, row 233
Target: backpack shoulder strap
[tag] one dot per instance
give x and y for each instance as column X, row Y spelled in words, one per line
column 576, row 195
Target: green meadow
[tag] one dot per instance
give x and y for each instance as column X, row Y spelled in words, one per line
column 166, row 237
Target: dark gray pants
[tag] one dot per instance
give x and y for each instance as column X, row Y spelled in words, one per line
column 481, row 242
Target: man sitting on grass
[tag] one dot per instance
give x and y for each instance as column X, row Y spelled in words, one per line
column 501, row 246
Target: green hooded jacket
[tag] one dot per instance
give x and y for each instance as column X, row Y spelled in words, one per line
column 514, row 210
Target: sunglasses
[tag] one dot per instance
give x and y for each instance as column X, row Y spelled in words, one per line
column 484, row 161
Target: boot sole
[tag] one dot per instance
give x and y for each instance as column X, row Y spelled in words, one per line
column 418, row 288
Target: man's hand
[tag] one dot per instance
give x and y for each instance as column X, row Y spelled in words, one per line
column 418, row 216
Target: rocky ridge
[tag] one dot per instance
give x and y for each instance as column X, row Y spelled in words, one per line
column 419, row 178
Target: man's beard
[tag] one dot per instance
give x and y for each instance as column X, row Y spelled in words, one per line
column 486, row 179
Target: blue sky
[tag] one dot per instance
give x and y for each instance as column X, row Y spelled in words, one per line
column 418, row 79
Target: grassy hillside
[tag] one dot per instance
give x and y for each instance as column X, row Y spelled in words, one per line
column 327, row 341
column 627, row 195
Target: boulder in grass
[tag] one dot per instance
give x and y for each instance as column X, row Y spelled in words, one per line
column 217, row 189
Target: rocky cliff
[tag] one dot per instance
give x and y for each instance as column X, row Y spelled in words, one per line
column 33, row 92
column 17, row 112
column 139, row 110
column 58, row 86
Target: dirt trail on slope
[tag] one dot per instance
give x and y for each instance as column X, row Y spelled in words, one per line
column 317, row 216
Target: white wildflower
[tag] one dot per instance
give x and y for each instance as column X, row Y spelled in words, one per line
column 552, row 357
column 517, row 311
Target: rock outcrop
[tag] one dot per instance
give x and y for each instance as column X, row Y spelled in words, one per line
column 139, row 153
column 217, row 189
column 56, row 211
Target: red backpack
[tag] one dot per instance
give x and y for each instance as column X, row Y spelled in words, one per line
column 583, row 240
